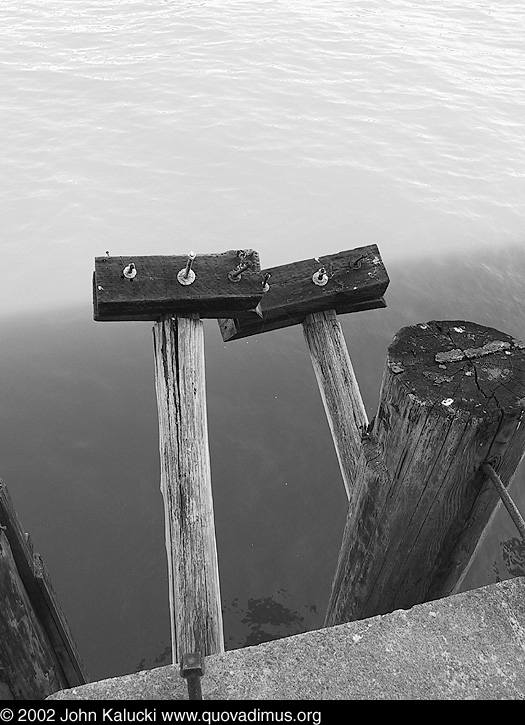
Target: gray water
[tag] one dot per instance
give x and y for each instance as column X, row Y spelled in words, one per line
column 295, row 128
column 79, row 453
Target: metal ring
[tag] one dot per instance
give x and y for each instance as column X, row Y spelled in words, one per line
column 320, row 278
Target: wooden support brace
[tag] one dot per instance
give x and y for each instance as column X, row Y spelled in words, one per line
column 176, row 292
column 339, row 390
column 195, row 601
column 312, row 293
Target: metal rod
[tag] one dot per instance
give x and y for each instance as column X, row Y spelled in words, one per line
column 186, row 276
column 194, row 687
column 265, row 284
column 236, row 274
column 511, row 507
column 191, row 257
column 192, row 669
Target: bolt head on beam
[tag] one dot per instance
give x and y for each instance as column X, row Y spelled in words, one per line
column 149, row 287
column 349, row 281
column 192, row 665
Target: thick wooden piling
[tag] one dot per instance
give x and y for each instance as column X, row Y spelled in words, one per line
column 340, row 393
column 452, row 398
column 195, row 601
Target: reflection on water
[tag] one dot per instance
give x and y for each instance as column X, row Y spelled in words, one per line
column 267, row 618
column 513, row 556
column 79, row 454
column 252, row 622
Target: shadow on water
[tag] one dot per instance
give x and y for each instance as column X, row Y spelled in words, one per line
column 79, row 454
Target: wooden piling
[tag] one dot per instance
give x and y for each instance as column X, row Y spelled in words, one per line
column 33, row 670
column 452, row 398
column 38, row 655
column 195, row 602
column 177, row 292
column 340, row 393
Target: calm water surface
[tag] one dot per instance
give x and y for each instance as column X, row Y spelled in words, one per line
column 295, row 128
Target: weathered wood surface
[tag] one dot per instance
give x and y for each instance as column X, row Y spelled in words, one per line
column 357, row 280
column 41, row 595
column 453, row 397
column 155, row 290
column 195, row 601
column 28, row 666
column 340, row 393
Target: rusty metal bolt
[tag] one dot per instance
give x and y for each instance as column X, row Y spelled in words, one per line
column 192, row 669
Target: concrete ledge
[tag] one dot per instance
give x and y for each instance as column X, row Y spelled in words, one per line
column 467, row 647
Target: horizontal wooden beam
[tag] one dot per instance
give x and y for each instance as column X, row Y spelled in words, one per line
column 349, row 281
column 148, row 288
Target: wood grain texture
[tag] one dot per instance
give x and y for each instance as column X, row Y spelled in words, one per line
column 195, row 601
column 453, row 396
column 357, row 280
column 28, row 664
column 155, row 291
column 340, row 393
column 41, row 594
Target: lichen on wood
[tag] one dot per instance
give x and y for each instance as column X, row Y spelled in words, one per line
column 452, row 397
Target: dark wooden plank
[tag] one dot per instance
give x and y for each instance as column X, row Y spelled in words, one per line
column 155, row 290
column 357, row 280
column 37, row 583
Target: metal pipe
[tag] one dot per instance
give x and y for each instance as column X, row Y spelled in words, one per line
column 511, row 507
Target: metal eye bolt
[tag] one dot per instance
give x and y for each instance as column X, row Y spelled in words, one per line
column 236, row 274
column 129, row 272
column 320, row 278
column 187, row 275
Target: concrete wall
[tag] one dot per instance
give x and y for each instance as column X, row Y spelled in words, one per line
column 469, row 646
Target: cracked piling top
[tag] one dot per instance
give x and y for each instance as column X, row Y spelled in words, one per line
column 461, row 366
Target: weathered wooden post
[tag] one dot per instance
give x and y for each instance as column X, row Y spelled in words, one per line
column 177, row 292
column 340, row 393
column 452, row 399
column 37, row 653
column 312, row 293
